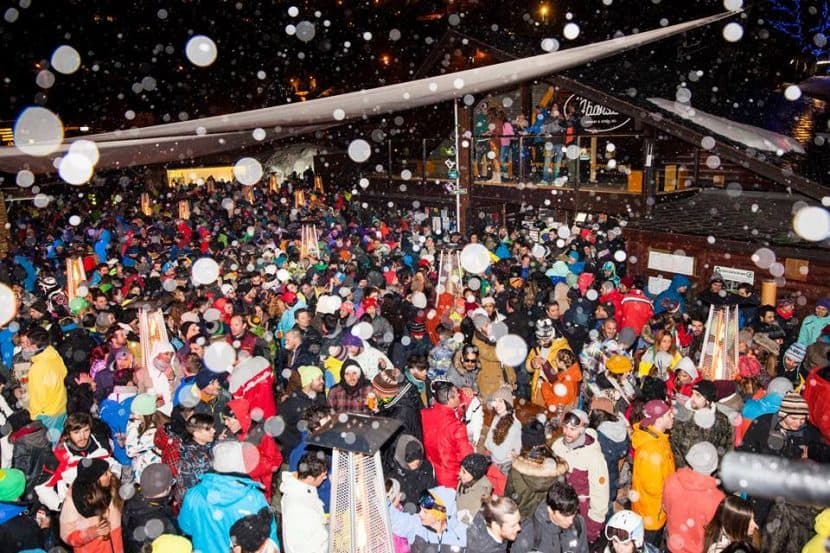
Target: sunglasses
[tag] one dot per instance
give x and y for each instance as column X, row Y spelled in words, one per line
column 617, row 534
column 473, row 360
column 427, row 501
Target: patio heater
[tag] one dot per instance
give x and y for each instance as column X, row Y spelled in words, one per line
column 75, row 275
column 359, row 519
column 309, row 241
column 146, row 209
column 450, row 275
column 719, row 356
column 184, row 209
column 151, row 331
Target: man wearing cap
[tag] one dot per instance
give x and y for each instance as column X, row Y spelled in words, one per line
column 150, row 503
column 784, row 434
column 588, row 473
column 371, row 359
column 790, row 366
column 397, row 398
column 435, row 527
column 251, row 534
column 697, row 420
column 813, row 325
column 312, row 392
column 690, row 499
column 653, row 464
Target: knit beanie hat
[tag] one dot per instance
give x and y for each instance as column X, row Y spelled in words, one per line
column 780, row 385
column 143, row 404
column 817, row 356
column 251, row 531
column 748, row 367
column 707, row 389
column 169, row 543
column 823, row 302
column 703, row 458
column 765, row 342
column 504, row 393
column 387, row 382
column 90, row 470
column 796, row 352
column 476, row 464
column 793, row 404
column 533, row 434
column 204, row 377
column 12, row 484
column 308, row 373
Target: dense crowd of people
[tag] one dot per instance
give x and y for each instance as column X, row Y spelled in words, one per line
column 547, row 401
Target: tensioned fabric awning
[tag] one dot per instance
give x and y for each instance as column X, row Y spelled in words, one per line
column 200, row 137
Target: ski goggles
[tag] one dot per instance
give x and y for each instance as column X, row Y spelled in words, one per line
column 428, row 501
column 617, row 534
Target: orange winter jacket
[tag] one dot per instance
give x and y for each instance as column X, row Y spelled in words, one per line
column 653, row 464
column 564, row 391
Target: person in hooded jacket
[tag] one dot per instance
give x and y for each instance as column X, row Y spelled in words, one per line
column 690, row 498
column 397, row 398
column 531, row 476
column 90, row 519
column 18, row 530
column 351, row 393
column 556, row 525
column 151, row 503
column 435, row 528
column 675, row 293
column 587, row 470
column 683, row 380
column 473, row 485
column 406, row 463
column 612, row 431
column 699, row 419
column 304, row 528
column 498, row 523
column 228, row 490
column 637, row 309
column 31, row 449
column 238, row 421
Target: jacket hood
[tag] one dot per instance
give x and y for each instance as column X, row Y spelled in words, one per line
column 447, row 495
column 538, row 477
column 679, row 281
column 616, row 431
column 48, row 355
column 10, row 510
column 242, row 410
column 33, row 434
column 224, row 490
column 400, row 449
column 694, row 481
column 292, row 485
column 640, row 436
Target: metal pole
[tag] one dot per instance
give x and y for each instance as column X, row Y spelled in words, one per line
column 457, row 170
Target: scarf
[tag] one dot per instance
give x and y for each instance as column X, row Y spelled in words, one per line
column 577, row 443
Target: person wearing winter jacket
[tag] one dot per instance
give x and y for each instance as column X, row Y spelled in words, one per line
column 303, row 525
column 473, row 485
column 625, row 534
column 543, row 364
column 253, row 380
column 446, row 448
column 556, row 524
column 47, row 394
column 141, row 431
column 690, row 498
column 498, row 523
column 351, row 393
column 492, row 374
column 90, row 519
column 195, row 457
column 531, row 476
column 612, row 431
column 225, row 490
column 684, row 378
column 241, row 426
column 653, row 464
column 151, row 503
column 19, row 531
column 293, row 407
column 115, row 411
column 637, row 309
column 675, row 293
column 31, row 450
column 435, row 528
column 77, row 444
column 407, row 464
column 817, row 395
column 397, row 398
column 814, row 324
column 822, row 528
column 587, row 471
column 504, row 438
column 697, row 420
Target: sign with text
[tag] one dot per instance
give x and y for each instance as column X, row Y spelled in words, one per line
column 596, row 118
column 735, row 275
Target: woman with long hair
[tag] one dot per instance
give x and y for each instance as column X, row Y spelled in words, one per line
column 90, row 519
column 663, row 342
column 504, row 439
column 141, row 432
column 733, row 521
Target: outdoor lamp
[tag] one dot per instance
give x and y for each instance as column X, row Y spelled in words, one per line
column 151, row 331
column 75, row 275
column 359, row 519
column 719, row 356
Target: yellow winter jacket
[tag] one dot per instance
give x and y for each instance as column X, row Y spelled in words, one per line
column 47, row 394
column 816, row 545
column 653, row 464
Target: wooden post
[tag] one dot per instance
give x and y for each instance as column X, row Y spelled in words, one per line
column 465, row 157
column 4, row 232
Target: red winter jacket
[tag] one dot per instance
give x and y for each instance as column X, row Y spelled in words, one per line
column 253, row 380
column 613, row 297
column 637, row 309
column 817, row 394
column 690, row 500
column 445, row 443
column 270, row 457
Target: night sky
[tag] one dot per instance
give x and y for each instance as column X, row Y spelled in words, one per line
column 134, row 70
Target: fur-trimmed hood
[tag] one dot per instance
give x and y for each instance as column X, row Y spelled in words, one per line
column 549, row 468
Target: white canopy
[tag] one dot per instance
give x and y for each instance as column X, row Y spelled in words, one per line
column 752, row 137
column 200, row 137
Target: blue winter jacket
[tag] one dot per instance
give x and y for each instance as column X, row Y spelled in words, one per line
column 102, row 245
column 754, row 408
column 117, row 414
column 671, row 293
column 212, row 506
column 31, row 274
